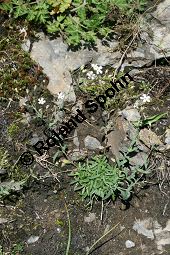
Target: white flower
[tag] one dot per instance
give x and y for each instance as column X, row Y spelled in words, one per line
column 97, row 68
column 91, row 75
column 94, row 66
column 61, row 95
column 145, row 98
column 41, row 100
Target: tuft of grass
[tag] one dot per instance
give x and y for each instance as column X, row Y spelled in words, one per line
column 97, row 179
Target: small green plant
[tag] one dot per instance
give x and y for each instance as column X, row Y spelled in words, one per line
column 13, row 129
column 98, row 179
column 76, row 20
column 150, row 120
column 95, row 80
column 96, row 83
column 16, row 250
column 60, row 152
column 15, row 176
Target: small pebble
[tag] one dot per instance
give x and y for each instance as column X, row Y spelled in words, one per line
column 32, row 239
column 91, row 143
column 129, row 244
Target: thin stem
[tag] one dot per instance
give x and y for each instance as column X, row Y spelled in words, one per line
column 69, row 231
column 102, row 238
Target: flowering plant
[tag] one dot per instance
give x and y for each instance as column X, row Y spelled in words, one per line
column 75, row 20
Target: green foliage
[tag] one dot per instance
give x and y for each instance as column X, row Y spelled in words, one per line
column 98, row 179
column 14, row 179
column 76, row 20
column 13, row 129
column 59, row 5
column 101, row 82
column 60, row 152
column 150, row 120
column 138, row 5
column 16, row 250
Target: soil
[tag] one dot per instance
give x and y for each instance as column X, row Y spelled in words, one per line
column 41, row 212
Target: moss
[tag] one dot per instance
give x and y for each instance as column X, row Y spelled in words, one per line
column 13, row 130
column 17, row 71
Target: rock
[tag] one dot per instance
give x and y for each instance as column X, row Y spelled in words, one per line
column 91, row 143
column 117, row 139
column 162, row 235
column 75, row 139
column 77, row 154
column 3, row 171
column 3, row 220
column 131, row 114
column 155, row 36
column 47, row 55
column 35, row 139
column 129, row 244
column 167, row 136
column 144, row 227
column 163, row 13
column 26, row 45
column 33, row 239
column 90, row 218
column 112, row 58
column 149, row 138
column 139, row 159
column 158, row 35
column 57, row 62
